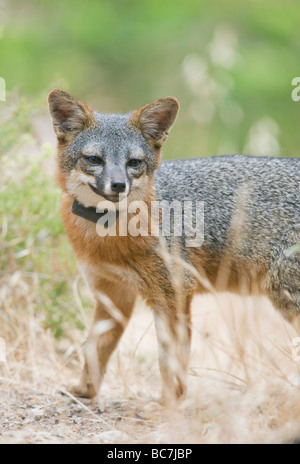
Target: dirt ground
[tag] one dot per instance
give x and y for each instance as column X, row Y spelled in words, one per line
column 244, row 385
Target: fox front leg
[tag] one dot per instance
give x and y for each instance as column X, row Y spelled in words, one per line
column 173, row 329
column 113, row 310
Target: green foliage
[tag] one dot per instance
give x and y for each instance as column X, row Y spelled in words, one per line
column 16, row 122
column 292, row 250
column 33, row 240
column 120, row 54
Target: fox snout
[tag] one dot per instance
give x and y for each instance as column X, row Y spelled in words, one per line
column 118, row 186
column 111, row 187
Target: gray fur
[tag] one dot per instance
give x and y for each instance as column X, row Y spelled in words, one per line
column 272, row 187
column 251, row 215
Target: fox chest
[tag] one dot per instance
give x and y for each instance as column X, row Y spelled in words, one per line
column 95, row 275
column 129, row 262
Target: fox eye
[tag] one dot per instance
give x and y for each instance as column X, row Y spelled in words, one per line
column 134, row 163
column 94, row 160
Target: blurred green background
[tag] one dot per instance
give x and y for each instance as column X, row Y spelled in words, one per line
column 229, row 63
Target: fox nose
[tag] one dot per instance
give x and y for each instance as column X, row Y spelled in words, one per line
column 118, row 186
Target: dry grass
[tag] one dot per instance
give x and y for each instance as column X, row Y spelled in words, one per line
column 243, row 383
column 243, row 387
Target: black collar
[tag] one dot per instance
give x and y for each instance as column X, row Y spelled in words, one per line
column 90, row 213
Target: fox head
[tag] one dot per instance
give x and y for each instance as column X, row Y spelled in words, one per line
column 109, row 156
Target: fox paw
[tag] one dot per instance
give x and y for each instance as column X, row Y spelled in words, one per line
column 83, row 391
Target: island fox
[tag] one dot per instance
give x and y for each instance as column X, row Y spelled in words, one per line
column 249, row 242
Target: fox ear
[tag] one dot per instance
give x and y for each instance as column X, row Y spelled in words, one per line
column 70, row 116
column 156, row 119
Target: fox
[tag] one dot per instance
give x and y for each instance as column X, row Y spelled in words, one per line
column 250, row 233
